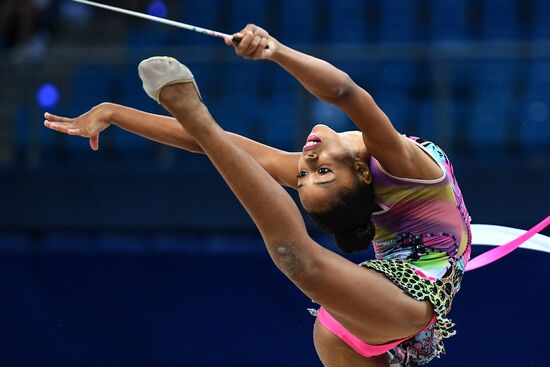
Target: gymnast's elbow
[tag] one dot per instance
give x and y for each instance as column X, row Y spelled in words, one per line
column 341, row 90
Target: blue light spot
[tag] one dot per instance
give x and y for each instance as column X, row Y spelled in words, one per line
column 157, row 8
column 47, row 95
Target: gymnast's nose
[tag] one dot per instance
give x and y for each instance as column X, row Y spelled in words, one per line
column 311, row 156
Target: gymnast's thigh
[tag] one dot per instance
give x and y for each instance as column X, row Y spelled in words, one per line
column 363, row 300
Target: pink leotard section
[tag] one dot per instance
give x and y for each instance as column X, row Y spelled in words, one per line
column 364, row 349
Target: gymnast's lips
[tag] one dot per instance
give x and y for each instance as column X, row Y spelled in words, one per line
column 312, row 142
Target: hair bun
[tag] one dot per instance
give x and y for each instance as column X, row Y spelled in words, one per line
column 357, row 239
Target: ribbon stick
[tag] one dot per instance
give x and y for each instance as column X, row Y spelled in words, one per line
column 172, row 23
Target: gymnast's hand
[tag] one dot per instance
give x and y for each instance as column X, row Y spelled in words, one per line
column 88, row 125
column 255, row 43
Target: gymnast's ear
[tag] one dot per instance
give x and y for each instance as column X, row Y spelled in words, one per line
column 362, row 169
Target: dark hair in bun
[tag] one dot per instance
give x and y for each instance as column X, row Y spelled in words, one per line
column 356, row 239
column 349, row 218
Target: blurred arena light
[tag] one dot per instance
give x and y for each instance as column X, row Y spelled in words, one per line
column 157, row 8
column 47, row 95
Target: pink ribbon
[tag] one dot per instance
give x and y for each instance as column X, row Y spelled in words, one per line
column 501, row 251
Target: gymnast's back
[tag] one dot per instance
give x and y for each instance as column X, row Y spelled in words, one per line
column 418, row 217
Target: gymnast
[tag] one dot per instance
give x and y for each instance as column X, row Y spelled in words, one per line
column 368, row 186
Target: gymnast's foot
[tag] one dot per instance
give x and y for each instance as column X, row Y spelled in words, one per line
column 170, row 83
column 182, row 97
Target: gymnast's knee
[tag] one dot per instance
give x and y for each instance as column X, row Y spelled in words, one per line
column 298, row 265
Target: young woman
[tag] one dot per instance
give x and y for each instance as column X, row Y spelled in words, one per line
column 372, row 185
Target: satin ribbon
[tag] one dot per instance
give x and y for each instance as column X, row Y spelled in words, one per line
column 488, row 235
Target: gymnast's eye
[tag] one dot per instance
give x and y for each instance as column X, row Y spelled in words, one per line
column 323, row 171
column 301, row 174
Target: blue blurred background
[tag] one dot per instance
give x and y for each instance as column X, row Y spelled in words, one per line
column 139, row 254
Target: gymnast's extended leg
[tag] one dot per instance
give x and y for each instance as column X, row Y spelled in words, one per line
column 366, row 303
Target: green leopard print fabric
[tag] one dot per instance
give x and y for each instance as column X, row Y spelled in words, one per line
column 428, row 344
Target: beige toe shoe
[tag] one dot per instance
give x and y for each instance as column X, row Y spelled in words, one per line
column 159, row 71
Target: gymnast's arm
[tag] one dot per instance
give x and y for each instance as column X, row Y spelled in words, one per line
column 281, row 165
column 397, row 154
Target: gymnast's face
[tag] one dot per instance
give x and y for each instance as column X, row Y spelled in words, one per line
column 324, row 168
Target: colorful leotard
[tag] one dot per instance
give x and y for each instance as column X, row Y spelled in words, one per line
column 422, row 244
column 428, row 212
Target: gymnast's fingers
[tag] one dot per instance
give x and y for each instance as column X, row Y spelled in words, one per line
column 231, row 41
column 54, row 118
column 94, row 142
column 259, row 31
column 245, row 42
column 249, row 28
column 261, row 51
column 253, row 46
column 60, row 127
column 77, row 131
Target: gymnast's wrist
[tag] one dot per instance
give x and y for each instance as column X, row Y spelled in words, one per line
column 108, row 112
column 279, row 52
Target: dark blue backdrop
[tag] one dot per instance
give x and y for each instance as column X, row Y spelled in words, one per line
column 65, row 308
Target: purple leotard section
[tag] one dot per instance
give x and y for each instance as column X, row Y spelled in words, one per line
column 364, row 349
column 430, row 214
